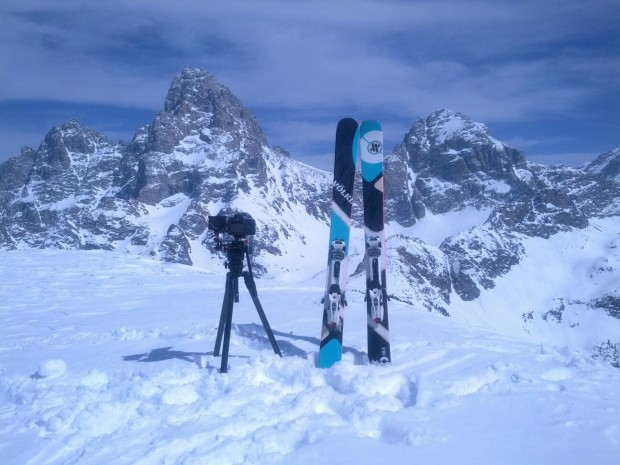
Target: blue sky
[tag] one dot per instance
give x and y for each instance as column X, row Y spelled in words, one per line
column 543, row 75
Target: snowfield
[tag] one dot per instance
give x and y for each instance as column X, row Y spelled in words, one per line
column 106, row 358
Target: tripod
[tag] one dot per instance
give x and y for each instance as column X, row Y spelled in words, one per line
column 236, row 251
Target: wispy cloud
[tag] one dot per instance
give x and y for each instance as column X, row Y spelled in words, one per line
column 497, row 61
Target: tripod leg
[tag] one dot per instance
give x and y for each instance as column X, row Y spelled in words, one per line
column 236, row 290
column 228, row 325
column 220, row 328
column 251, row 285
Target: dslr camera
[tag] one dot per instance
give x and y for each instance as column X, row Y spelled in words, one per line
column 238, row 225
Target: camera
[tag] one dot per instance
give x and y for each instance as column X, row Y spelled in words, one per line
column 238, row 225
column 231, row 236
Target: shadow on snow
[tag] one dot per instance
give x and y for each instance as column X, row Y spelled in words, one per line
column 253, row 332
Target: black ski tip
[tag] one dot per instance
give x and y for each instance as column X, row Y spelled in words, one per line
column 347, row 124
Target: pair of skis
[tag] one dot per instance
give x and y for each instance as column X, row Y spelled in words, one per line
column 367, row 141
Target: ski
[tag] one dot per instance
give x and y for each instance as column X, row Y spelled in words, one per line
column 334, row 300
column 371, row 152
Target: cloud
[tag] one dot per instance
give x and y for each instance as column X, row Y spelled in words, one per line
column 496, row 61
column 290, row 54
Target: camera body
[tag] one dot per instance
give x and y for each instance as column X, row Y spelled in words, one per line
column 238, row 225
column 231, row 236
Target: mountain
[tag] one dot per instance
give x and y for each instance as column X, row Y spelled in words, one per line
column 455, row 174
column 451, row 162
column 453, row 165
column 467, row 214
column 202, row 155
column 607, row 165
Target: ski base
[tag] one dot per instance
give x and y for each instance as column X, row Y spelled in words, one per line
column 330, row 353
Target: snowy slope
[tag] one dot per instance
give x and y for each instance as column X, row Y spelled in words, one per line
column 106, row 358
column 552, row 294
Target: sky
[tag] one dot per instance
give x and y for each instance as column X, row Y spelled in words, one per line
column 542, row 75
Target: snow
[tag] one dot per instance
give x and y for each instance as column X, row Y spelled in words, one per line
column 453, row 124
column 107, row 358
column 498, row 186
column 449, row 128
column 51, row 369
column 433, row 228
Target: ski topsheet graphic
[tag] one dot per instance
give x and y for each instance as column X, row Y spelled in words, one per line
column 367, row 140
column 371, row 152
column 342, row 201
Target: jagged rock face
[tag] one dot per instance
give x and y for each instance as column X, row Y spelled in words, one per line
column 607, row 165
column 14, row 172
column 594, row 192
column 465, row 148
column 609, row 302
column 539, row 215
column 453, row 162
column 73, row 160
column 478, row 256
column 66, row 193
column 421, row 273
column 176, row 247
column 202, row 121
column 448, row 162
column 403, row 202
column 196, row 100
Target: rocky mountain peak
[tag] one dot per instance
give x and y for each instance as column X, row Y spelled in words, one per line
column 452, row 162
column 74, row 137
column 444, row 126
column 193, row 89
column 197, row 104
column 607, row 164
column 203, row 130
column 452, row 145
column 63, row 145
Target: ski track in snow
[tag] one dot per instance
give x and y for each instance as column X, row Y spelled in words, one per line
column 107, row 358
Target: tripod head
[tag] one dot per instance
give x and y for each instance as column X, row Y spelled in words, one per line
column 235, row 252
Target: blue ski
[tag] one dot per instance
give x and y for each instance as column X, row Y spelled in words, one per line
column 334, row 300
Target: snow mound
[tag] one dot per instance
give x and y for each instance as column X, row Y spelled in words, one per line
column 51, row 369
